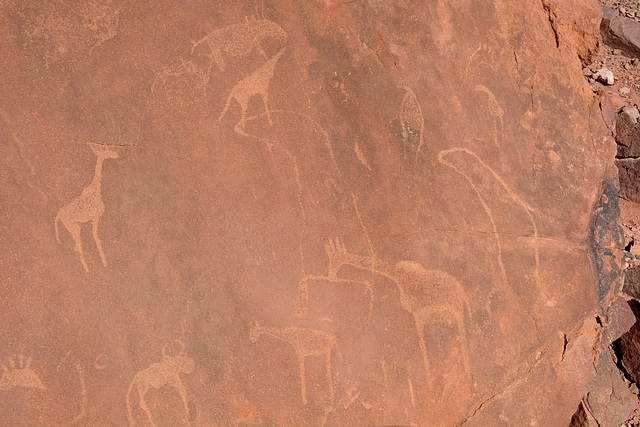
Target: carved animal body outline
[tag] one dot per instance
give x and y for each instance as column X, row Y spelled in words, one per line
column 425, row 294
column 19, row 375
column 306, row 342
column 88, row 206
column 156, row 375
column 240, row 39
column 411, row 116
column 256, row 83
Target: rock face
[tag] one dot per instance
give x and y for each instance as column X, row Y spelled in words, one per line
column 621, row 32
column 301, row 213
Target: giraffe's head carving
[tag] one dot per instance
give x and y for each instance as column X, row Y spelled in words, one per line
column 104, row 151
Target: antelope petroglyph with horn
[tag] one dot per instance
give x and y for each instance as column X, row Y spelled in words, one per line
column 156, row 375
column 88, row 206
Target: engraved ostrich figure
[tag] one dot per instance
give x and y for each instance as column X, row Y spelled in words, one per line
column 156, row 375
column 86, row 207
column 306, row 342
column 425, row 294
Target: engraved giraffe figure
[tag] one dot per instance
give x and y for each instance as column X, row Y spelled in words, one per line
column 425, row 294
column 306, row 342
column 86, row 207
column 19, row 375
column 256, row 83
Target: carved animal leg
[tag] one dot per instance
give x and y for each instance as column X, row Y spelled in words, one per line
column 464, row 344
column 74, row 230
column 217, row 56
column 303, row 378
column 302, row 301
column 330, row 377
column 183, row 395
column 97, row 239
column 265, row 100
column 423, row 346
column 244, row 106
column 226, row 107
column 144, row 406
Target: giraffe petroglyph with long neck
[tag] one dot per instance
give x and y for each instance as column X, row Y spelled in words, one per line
column 87, row 207
column 425, row 294
column 256, row 83
column 306, row 342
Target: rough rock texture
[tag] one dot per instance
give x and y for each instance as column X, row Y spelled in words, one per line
column 608, row 399
column 621, row 32
column 627, row 136
column 226, row 213
column 629, row 172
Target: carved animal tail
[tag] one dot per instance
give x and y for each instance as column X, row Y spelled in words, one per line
column 129, row 410
column 55, row 225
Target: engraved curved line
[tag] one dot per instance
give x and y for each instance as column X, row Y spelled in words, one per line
column 496, row 111
column 510, row 192
column 296, row 171
column 306, row 117
column 20, row 144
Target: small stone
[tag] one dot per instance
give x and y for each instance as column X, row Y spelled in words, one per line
column 627, row 66
column 625, row 91
column 633, row 388
column 586, row 71
column 604, row 75
column 622, row 10
column 635, row 61
column 617, row 52
column 630, row 14
column 632, row 112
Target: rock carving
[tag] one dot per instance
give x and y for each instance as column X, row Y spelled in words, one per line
column 87, row 207
column 256, row 83
column 19, row 375
column 240, row 39
column 425, row 294
column 306, row 342
column 166, row 372
column 411, row 118
column 496, row 111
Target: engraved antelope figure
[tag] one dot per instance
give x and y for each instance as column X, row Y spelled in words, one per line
column 306, row 342
column 256, row 83
column 156, row 375
column 86, row 207
column 19, row 375
column 425, row 294
column 240, row 39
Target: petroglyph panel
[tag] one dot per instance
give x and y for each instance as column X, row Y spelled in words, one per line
column 272, row 212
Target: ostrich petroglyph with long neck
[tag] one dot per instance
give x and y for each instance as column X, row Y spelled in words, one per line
column 87, row 207
column 306, row 342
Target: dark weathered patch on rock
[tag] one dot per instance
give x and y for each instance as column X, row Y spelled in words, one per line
column 607, row 237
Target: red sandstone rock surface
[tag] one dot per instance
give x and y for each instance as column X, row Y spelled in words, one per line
column 302, row 213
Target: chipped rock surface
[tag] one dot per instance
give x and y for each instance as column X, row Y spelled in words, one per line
column 267, row 212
